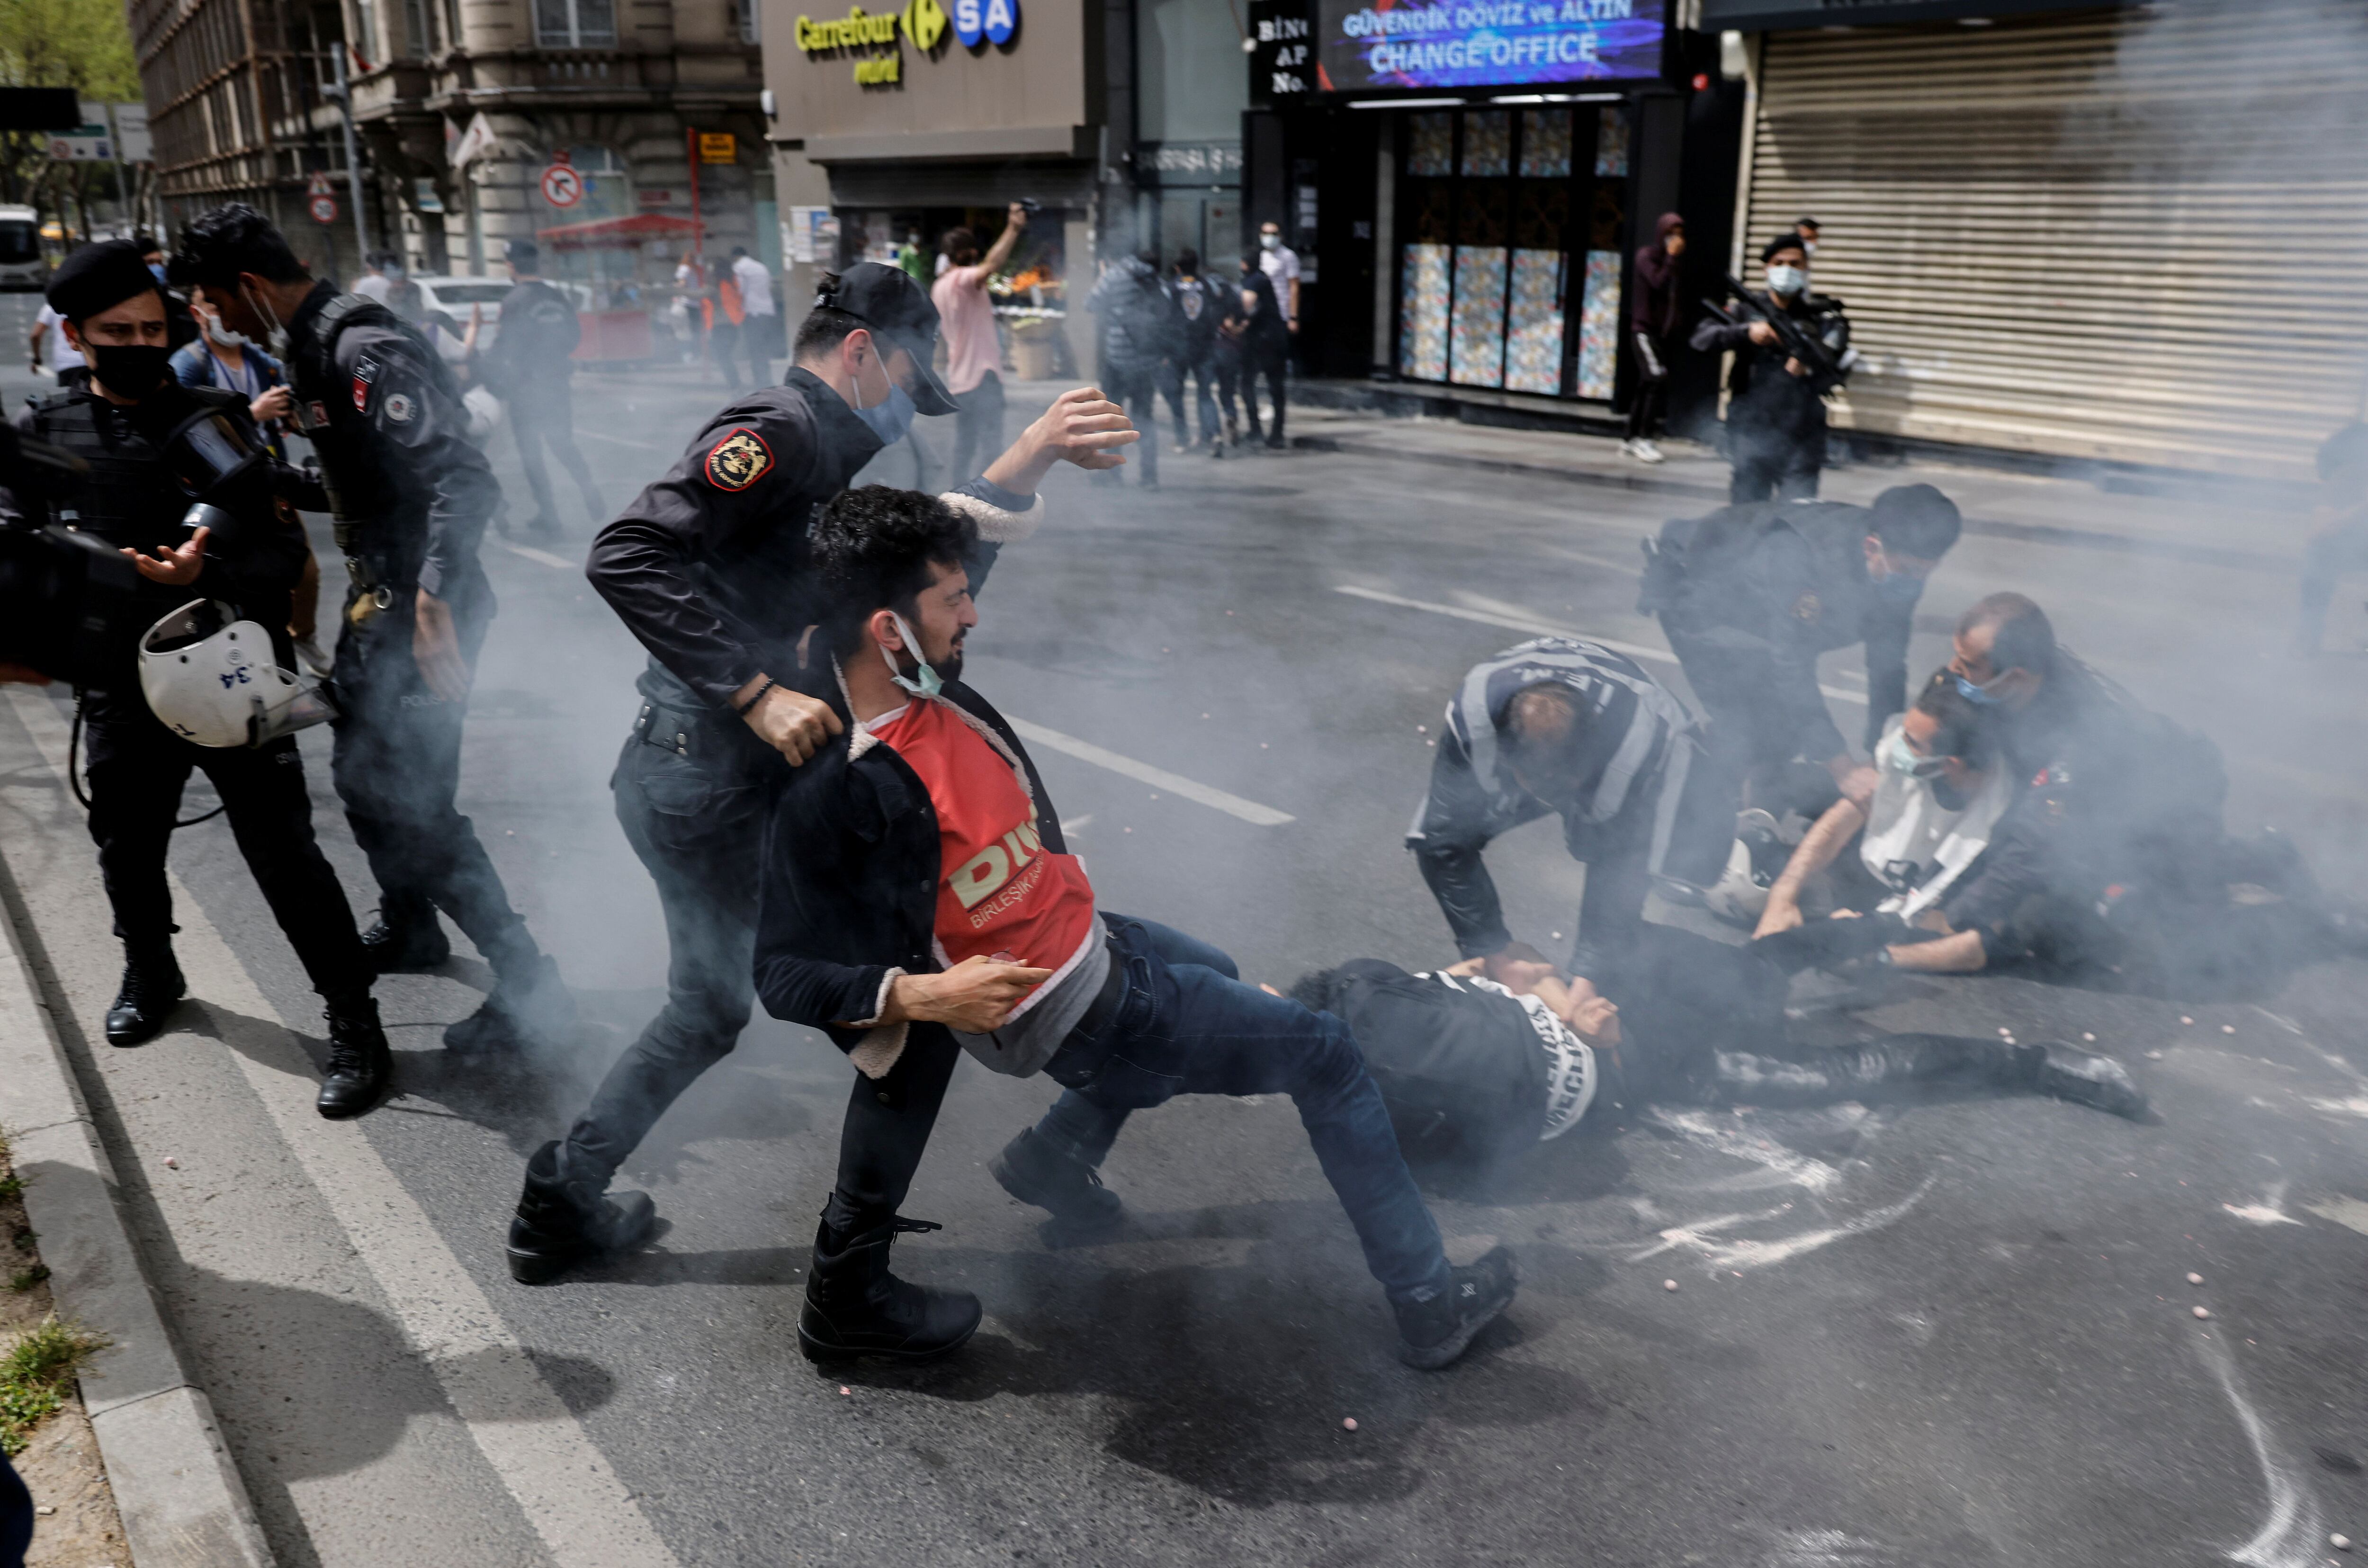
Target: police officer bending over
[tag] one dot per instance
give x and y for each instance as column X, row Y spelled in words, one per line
column 708, row 568
column 1776, row 405
column 137, row 427
column 1750, row 596
column 410, row 497
column 1565, row 725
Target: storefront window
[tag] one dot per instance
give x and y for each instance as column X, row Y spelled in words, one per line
column 1498, row 219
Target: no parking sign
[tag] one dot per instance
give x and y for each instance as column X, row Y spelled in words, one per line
column 323, row 208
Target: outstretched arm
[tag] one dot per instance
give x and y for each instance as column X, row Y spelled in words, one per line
column 1823, row 844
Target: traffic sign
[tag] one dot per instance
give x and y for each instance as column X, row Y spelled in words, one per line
column 325, row 209
column 562, row 185
column 320, row 183
column 718, row 147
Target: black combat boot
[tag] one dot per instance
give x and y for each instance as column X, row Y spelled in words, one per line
column 562, row 1222
column 151, row 986
column 1035, row 1170
column 406, row 938
column 855, row 1307
column 2069, row 1073
column 528, row 1009
column 1432, row 1334
column 359, row 1064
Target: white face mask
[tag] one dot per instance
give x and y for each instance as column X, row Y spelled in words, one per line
column 262, row 307
column 222, row 335
column 1787, row 281
column 1269, row 242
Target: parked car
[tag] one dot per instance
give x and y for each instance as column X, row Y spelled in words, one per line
column 457, row 295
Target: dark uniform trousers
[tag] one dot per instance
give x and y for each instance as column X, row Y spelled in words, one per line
column 138, row 768
column 397, row 769
column 697, row 825
column 545, row 417
column 1751, row 743
column 1769, row 465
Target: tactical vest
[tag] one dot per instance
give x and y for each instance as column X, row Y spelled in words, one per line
column 130, row 498
column 376, row 508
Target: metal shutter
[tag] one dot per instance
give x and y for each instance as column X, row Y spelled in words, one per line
column 2138, row 235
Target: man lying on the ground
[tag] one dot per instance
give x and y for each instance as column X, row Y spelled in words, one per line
column 2111, row 856
column 918, row 898
column 1484, row 1070
column 1940, row 792
column 1568, row 726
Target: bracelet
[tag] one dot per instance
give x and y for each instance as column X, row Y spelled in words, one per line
column 743, row 710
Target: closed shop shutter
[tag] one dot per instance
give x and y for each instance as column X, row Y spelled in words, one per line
column 2138, row 235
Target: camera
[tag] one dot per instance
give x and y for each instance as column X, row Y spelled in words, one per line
column 67, row 601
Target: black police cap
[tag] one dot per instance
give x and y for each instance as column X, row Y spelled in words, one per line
column 99, row 277
column 889, row 301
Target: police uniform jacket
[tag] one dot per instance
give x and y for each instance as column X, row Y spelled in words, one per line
column 1767, row 402
column 133, row 498
column 708, row 566
column 2107, row 794
column 410, row 493
column 1636, row 745
column 1778, row 583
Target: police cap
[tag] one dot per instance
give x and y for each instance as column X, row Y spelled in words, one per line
column 888, row 300
column 99, row 277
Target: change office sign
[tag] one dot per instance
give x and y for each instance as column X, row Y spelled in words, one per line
column 1364, row 45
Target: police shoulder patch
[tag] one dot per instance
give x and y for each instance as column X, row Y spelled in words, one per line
column 738, row 459
column 1808, row 606
column 400, row 408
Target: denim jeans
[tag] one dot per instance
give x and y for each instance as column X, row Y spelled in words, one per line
column 1188, row 1026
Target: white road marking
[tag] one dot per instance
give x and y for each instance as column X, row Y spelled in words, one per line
column 543, row 556
column 1086, row 751
column 2292, row 1536
column 2349, row 1213
column 561, row 1480
column 2270, row 1210
column 1539, row 627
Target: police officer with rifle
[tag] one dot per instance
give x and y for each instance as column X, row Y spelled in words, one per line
column 176, row 685
column 1791, row 349
column 410, row 497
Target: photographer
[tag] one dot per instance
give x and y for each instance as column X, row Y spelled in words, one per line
column 133, row 425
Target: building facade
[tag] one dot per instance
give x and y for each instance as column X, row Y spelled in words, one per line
column 2127, row 235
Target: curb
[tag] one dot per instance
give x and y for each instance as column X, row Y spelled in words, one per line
column 181, row 1500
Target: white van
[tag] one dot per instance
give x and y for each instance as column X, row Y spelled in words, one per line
column 21, row 266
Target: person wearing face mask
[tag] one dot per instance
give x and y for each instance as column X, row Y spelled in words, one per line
column 1751, row 596
column 130, row 423
column 917, row 902
column 410, row 497
column 180, row 323
column 1776, row 407
column 708, row 567
column 1565, row 726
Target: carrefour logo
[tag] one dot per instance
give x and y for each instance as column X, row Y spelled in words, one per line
column 992, row 21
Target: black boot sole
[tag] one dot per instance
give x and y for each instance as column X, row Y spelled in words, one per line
column 542, row 1267
column 820, row 1353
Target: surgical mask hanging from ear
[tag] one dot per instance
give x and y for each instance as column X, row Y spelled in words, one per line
column 262, row 307
column 925, row 682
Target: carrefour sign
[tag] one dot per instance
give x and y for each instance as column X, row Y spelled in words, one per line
column 923, row 21
column 1364, row 45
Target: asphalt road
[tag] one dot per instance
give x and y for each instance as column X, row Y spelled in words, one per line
column 1955, row 1333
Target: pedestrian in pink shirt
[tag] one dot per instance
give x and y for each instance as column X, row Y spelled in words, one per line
column 973, row 352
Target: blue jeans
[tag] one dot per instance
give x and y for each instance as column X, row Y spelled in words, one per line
column 1187, row 1027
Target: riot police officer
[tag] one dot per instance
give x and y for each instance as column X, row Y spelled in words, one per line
column 1751, row 595
column 707, row 567
column 410, row 497
column 153, row 447
column 1776, row 407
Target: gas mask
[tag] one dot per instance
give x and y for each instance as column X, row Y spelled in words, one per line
column 217, row 465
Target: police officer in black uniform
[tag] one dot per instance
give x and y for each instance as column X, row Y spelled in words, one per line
column 410, row 497
column 134, row 426
column 1751, row 595
column 708, row 568
column 529, row 365
column 1776, row 405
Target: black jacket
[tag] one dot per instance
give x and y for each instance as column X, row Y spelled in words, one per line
column 1201, row 303
column 707, row 567
column 849, row 885
column 1141, row 324
column 1782, row 583
column 537, row 332
column 1767, row 400
column 412, row 495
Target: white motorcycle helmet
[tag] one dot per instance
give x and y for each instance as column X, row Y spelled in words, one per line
column 212, row 679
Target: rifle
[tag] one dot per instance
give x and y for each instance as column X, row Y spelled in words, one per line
column 1826, row 371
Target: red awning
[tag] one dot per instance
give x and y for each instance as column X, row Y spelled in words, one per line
column 606, row 234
